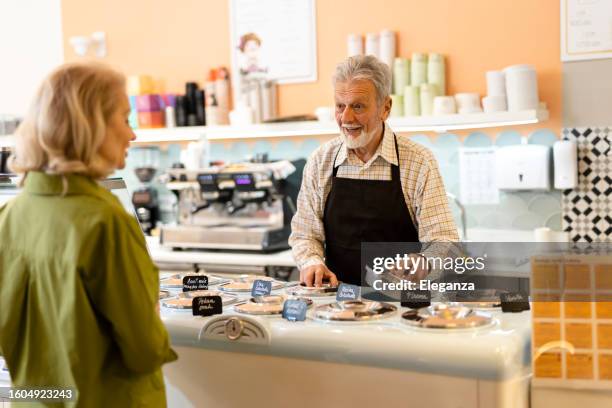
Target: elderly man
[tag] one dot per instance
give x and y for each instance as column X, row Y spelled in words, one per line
column 367, row 185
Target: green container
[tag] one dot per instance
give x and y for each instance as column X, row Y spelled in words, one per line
column 436, row 72
column 428, row 93
column 412, row 101
column 401, row 75
column 397, row 105
column 418, row 69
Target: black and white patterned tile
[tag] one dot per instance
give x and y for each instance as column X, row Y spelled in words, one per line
column 587, row 209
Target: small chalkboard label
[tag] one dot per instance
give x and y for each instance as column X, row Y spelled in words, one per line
column 416, row 299
column 514, row 302
column 195, row 283
column 348, row 292
column 206, row 305
column 261, row 288
column 295, row 310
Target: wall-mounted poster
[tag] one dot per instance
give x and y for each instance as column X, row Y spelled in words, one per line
column 586, row 29
column 272, row 40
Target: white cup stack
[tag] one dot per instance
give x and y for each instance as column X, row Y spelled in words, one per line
column 521, row 88
column 354, row 44
column 496, row 83
column 468, row 103
column 372, row 45
column 495, row 101
column 386, row 51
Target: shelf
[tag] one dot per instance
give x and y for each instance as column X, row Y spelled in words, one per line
column 445, row 123
column 440, row 124
column 179, row 134
column 288, row 129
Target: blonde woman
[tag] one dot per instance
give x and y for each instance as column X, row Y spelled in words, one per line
column 78, row 290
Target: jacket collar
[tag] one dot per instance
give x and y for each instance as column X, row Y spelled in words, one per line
column 40, row 183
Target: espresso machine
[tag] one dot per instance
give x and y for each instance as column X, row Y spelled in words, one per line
column 145, row 197
column 245, row 206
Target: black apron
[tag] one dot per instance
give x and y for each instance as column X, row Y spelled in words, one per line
column 359, row 211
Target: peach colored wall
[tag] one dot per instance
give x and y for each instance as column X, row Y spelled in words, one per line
column 177, row 41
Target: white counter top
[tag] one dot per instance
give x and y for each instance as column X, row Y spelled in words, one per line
column 166, row 255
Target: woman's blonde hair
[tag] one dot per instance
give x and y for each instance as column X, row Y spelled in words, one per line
column 66, row 123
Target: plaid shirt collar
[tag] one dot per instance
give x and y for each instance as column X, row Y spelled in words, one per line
column 385, row 149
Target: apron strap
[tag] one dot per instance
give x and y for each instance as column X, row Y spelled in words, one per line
column 334, row 168
column 394, row 168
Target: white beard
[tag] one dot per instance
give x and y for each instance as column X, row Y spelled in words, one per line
column 360, row 141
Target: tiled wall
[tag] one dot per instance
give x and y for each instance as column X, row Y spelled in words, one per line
column 521, row 211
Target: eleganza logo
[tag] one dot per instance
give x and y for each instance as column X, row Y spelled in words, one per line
column 423, row 285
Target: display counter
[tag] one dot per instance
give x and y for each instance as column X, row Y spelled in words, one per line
column 236, row 359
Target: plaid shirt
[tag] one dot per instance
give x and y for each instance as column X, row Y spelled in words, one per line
column 421, row 183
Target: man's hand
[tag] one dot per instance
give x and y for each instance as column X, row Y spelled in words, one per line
column 315, row 275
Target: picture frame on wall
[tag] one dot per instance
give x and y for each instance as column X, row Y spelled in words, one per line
column 272, row 40
column 586, row 32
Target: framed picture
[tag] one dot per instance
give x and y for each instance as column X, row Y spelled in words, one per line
column 272, row 40
column 586, row 29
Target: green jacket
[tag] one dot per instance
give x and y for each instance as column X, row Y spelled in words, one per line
column 78, row 293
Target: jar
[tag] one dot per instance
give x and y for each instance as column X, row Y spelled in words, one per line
column 436, row 72
column 412, row 102
column 418, row 69
column 397, row 105
column 428, row 93
column 401, row 75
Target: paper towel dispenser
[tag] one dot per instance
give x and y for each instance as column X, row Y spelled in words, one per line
column 523, row 167
column 565, row 161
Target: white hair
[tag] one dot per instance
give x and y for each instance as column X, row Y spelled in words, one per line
column 365, row 67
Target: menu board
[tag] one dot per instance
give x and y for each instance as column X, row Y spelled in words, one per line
column 586, row 29
column 477, row 175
